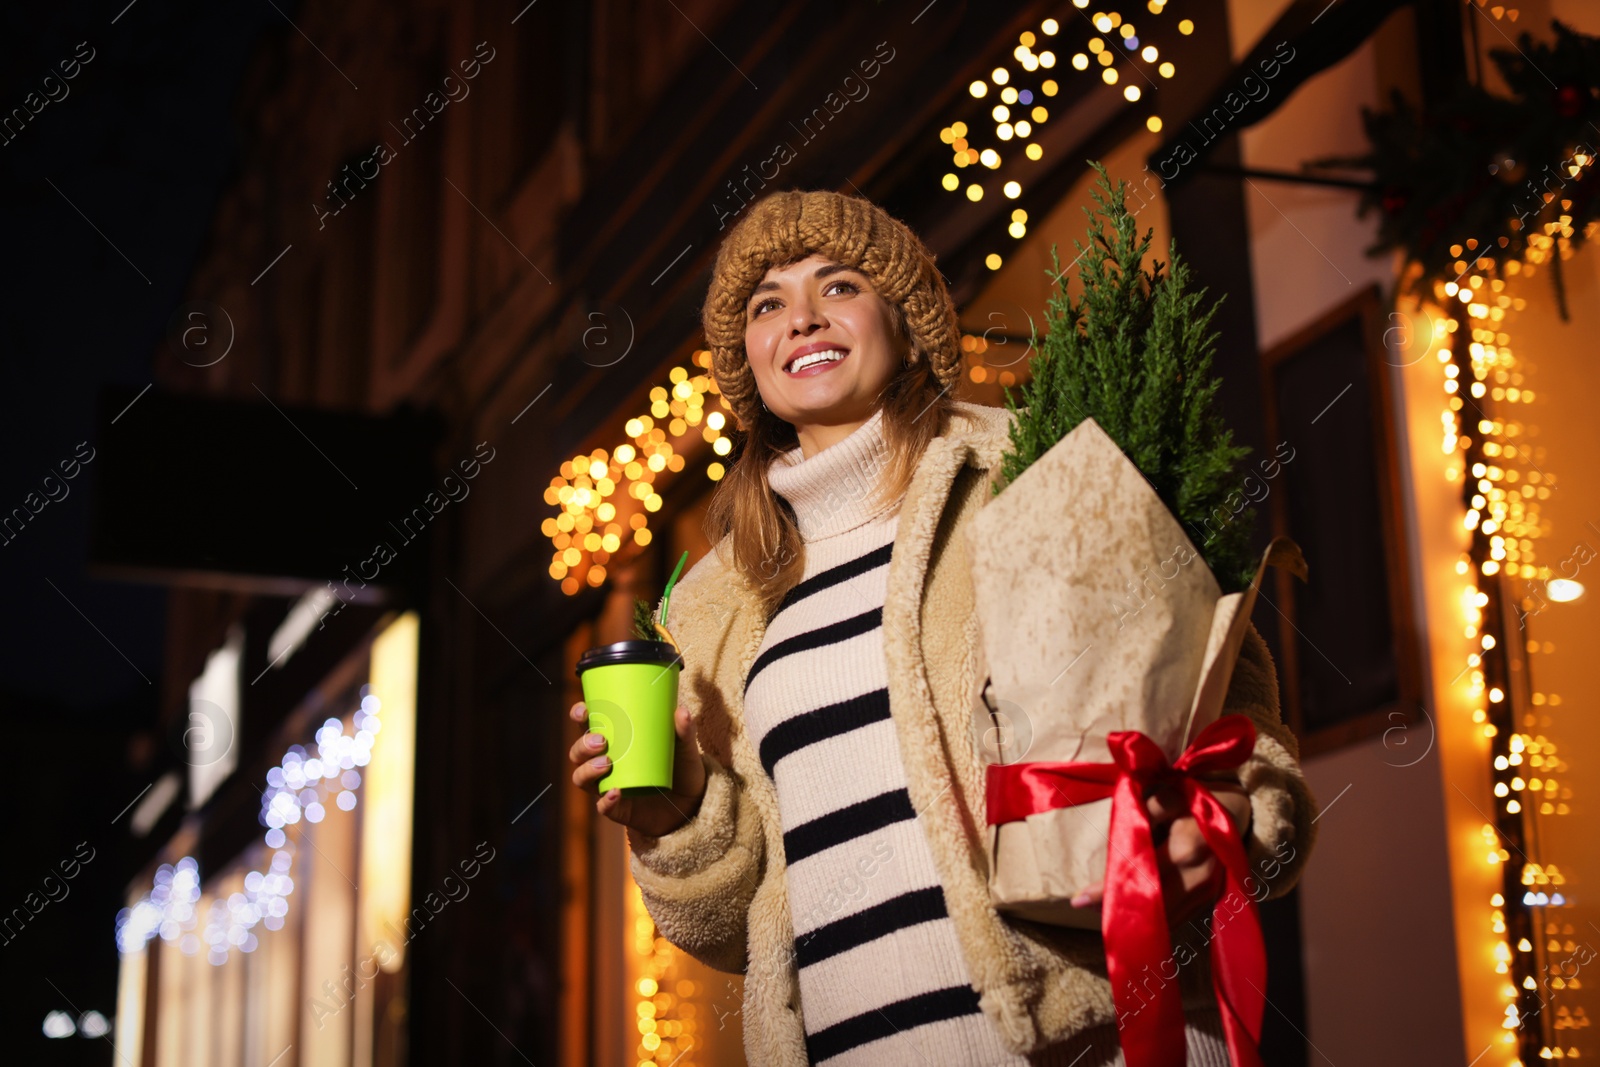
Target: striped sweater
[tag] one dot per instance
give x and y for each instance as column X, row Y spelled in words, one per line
column 882, row 976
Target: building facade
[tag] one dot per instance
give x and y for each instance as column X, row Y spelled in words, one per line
column 503, row 216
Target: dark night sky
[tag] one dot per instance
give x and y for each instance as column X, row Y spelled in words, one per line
column 142, row 144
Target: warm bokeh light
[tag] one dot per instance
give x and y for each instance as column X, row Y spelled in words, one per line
column 1491, row 455
column 588, row 530
column 1564, row 590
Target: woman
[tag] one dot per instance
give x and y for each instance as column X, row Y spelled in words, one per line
column 824, row 835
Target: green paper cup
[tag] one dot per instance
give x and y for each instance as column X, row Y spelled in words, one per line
column 630, row 690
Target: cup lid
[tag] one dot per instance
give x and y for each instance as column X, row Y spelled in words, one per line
column 634, row 651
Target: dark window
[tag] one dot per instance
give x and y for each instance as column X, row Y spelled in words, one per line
column 1350, row 664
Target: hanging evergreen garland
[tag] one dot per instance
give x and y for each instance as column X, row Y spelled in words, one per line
column 1490, row 170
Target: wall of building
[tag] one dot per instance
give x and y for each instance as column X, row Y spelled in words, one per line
column 419, row 286
column 1378, row 887
column 1016, row 297
column 1561, row 635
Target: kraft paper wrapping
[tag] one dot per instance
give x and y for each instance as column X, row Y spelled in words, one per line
column 1097, row 615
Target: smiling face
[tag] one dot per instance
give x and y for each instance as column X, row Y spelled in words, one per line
column 822, row 345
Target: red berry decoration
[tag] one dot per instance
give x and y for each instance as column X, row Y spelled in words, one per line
column 1569, row 101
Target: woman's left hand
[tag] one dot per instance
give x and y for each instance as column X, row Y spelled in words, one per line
column 1189, row 869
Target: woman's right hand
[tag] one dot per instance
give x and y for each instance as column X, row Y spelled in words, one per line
column 653, row 814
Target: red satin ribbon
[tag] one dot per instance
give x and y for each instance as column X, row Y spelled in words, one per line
column 1133, row 916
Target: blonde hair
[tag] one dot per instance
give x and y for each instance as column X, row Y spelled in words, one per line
column 766, row 547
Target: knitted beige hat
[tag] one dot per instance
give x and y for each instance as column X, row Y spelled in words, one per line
column 788, row 226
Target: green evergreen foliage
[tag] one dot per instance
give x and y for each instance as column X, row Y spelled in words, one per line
column 644, row 620
column 1134, row 352
column 1478, row 166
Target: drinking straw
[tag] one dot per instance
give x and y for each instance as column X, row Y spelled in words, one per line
column 672, row 581
column 666, row 597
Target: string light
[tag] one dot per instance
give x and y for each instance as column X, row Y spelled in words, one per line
column 590, row 528
column 975, row 347
column 1019, row 224
column 1013, row 123
column 667, row 1008
column 299, row 788
column 1502, row 484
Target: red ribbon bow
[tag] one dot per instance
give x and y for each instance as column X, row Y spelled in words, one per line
column 1133, row 917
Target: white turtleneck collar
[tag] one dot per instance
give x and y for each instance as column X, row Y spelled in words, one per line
column 835, row 490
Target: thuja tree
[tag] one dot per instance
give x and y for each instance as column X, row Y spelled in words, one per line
column 1134, row 353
